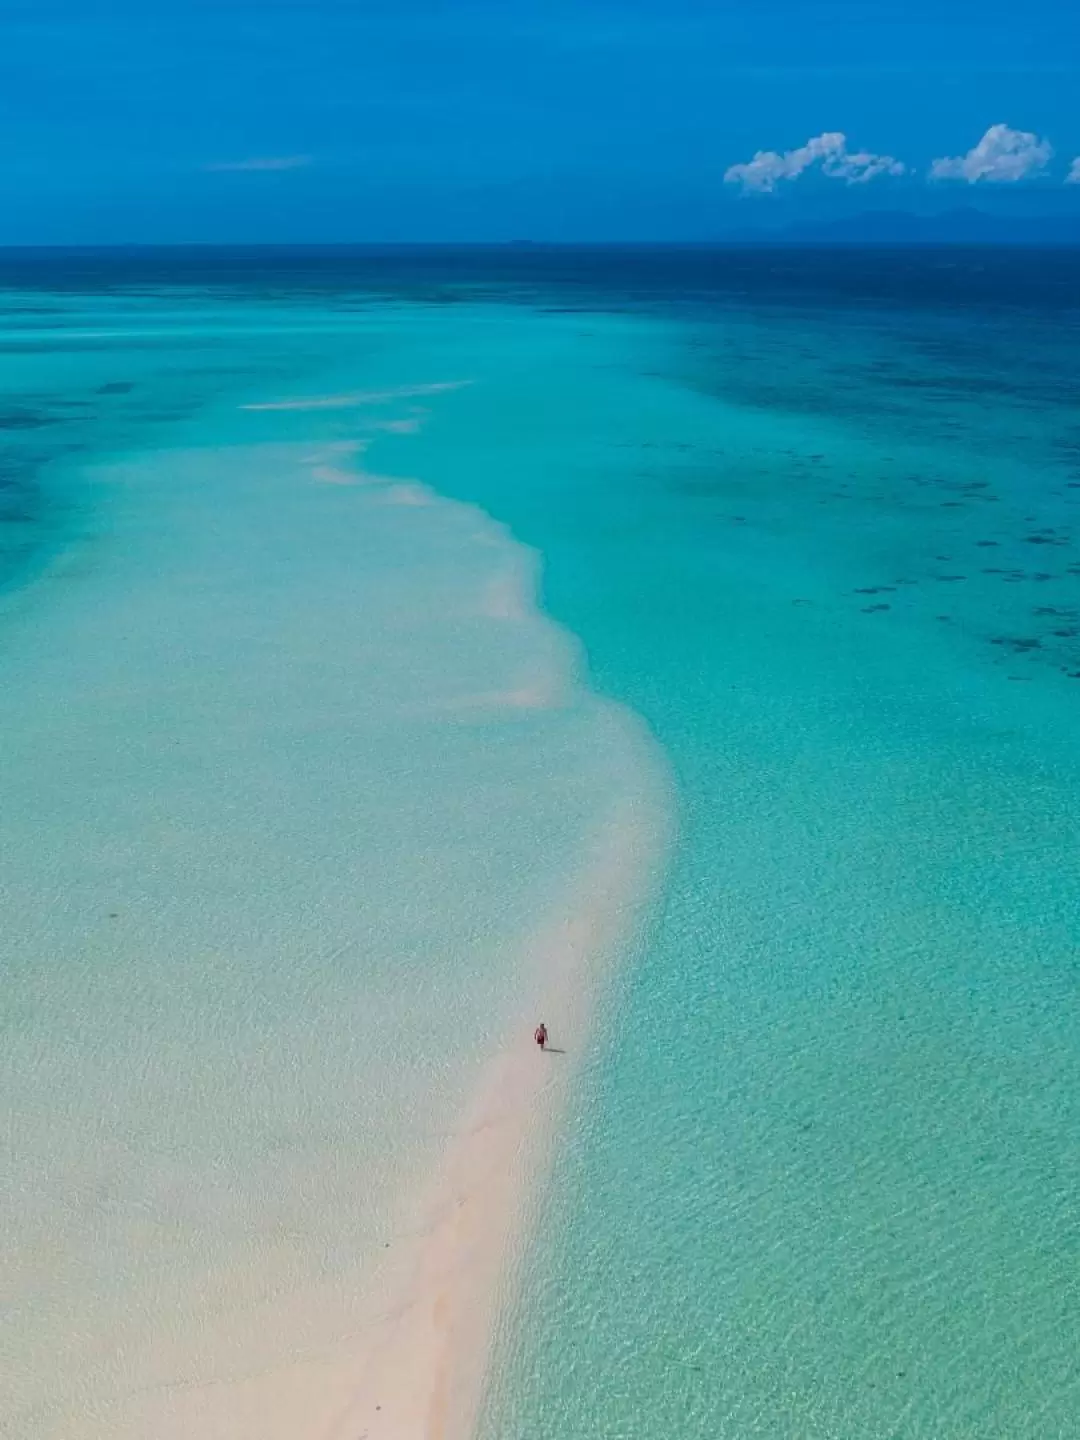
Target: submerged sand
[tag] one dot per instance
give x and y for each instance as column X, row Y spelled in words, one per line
column 215, row 1348
column 417, row 1368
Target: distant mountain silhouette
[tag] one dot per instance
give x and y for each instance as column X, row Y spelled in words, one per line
column 898, row 227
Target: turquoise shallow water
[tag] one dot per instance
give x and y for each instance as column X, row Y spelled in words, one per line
column 813, row 518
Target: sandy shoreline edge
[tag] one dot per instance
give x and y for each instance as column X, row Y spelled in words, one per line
column 420, row 1370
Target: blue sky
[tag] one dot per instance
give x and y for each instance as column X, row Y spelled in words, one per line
column 287, row 120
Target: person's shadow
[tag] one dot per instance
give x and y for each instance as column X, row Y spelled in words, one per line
column 553, row 1050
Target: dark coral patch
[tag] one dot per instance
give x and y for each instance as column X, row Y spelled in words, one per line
column 22, row 419
column 1021, row 643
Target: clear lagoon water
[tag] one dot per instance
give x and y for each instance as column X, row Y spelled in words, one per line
column 291, row 768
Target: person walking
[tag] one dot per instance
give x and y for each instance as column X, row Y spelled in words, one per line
column 540, row 1035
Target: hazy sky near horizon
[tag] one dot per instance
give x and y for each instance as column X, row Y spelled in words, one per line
column 283, row 120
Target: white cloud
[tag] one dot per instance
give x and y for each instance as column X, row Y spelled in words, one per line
column 1073, row 177
column 856, row 167
column 1002, row 156
column 264, row 162
column 769, row 167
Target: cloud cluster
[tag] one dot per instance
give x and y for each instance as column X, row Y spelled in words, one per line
column 827, row 151
column 1002, row 156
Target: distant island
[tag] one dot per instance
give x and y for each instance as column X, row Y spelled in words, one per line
column 965, row 225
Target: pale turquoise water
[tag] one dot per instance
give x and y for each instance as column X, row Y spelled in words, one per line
column 821, row 1175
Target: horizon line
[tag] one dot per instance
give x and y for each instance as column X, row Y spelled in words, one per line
column 736, row 241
